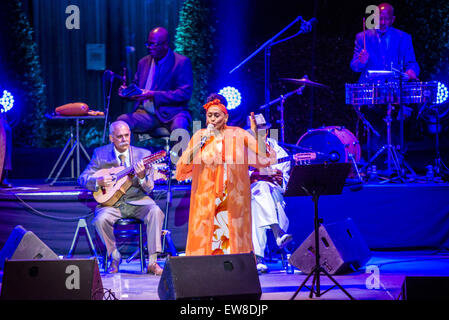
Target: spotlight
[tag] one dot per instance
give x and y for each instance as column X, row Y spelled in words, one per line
column 442, row 94
column 7, row 101
column 232, row 95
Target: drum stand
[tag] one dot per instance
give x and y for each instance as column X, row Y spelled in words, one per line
column 392, row 156
column 440, row 167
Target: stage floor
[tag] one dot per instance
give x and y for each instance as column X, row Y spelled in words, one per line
column 392, row 268
column 393, row 218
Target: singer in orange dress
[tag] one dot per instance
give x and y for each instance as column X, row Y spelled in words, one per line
column 220, row 202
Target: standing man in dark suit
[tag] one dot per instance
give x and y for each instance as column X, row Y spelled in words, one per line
column 166, row 80
column 384, row 48
column 135, row 203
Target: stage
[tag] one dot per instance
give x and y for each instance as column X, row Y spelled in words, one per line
column 389, row 216
column 406, row 226
column 385, row 283
column 393, row 267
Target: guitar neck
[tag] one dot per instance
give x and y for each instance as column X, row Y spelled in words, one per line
column 124, row 172
column 147, row 160
column 285, row 159
column 303, row 158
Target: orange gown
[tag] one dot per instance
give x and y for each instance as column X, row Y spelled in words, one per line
column 239, row 149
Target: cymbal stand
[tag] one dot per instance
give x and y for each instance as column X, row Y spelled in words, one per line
column 281, row 100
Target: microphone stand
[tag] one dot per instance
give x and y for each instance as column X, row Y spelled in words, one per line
column 107, row 98
column 107, row 102
column 267, row 46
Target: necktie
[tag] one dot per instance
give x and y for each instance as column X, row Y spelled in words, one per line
column 148, row 105
column 122, row 158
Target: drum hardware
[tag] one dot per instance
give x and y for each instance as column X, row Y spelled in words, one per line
column 392, row 156
column 440, row 168
column 281, row 100
column 303, row 82
column 389, row 92
column 368, row 127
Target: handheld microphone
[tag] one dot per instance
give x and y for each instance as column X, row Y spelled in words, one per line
column 204, row 139
column 112, row 75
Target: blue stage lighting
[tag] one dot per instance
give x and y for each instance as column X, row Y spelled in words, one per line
column 7, row 101
column 232, row 95
column 442, row 94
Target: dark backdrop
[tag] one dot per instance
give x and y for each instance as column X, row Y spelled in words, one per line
column 241, row 27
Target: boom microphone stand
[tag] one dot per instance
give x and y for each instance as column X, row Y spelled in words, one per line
column 306, row 26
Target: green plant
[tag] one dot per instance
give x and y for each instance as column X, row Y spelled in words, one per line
column 24, row 72
column 194, row 39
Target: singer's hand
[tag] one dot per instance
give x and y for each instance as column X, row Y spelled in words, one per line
column 209, row 130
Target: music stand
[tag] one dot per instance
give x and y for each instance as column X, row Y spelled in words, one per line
column 317, row 180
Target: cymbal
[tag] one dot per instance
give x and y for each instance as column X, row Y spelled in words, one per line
column 305, row 81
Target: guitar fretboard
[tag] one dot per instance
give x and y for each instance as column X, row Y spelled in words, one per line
column 147, row 160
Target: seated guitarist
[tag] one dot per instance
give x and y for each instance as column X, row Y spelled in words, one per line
column 135, row 203
column 267, row 202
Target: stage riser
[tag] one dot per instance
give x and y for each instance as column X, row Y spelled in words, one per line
column 58, row 235
column 388, row 216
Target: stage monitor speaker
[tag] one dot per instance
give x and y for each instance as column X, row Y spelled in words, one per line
column 25, row 245
column 220, row 277
column 425, row 288
column 71, row 279
column 342, row 249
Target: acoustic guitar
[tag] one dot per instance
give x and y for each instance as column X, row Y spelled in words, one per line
column 122, row 178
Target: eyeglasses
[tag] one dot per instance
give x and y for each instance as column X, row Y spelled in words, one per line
column 154, row 44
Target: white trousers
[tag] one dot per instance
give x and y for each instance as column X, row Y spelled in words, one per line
column 267, row 208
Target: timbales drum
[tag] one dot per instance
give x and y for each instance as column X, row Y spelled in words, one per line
column 371, row 93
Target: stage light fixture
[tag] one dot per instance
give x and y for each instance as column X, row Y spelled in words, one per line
column 7, row 101
column 232, row 95
column 442, row 94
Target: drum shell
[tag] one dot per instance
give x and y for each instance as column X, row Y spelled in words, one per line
column 332, row 139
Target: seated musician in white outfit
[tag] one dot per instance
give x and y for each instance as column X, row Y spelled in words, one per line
column 267, row 201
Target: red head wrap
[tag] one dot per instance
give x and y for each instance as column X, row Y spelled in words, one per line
column 215, row 103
